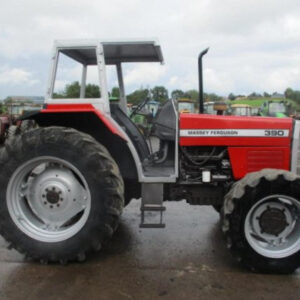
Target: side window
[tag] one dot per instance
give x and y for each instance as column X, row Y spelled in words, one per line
column 112, row 81
column 76, row 79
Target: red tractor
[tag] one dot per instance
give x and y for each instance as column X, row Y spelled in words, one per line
column 4, row 125
column 65, row 183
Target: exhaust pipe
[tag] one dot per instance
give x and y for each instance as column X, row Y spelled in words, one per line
column 200, row 74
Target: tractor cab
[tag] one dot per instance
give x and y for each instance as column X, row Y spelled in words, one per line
column 241, row 110
column 92, row 56
column 279, row 109
column 186, row 105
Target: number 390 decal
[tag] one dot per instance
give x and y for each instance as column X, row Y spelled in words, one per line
column 274, row 133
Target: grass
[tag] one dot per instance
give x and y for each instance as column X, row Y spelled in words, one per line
column 257, row 102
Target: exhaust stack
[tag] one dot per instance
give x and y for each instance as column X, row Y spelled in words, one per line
column 200, row 74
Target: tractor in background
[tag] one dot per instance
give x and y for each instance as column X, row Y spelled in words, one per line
column 4, row 124
column 215, row 108
column 186, row 105
column 241, row 110
column 278, row 109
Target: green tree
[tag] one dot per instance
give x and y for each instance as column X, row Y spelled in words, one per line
column 1, row 108
column 267, row 95
column 177, row 94
column 73, row 91
column 212, row 97
column 289, row 93
column 254, row 95
column 192, row 94
column 296, row 96
column 92, row 91
column 231, row 97
column 138, row 96
column 160, row 93
column 115, row 92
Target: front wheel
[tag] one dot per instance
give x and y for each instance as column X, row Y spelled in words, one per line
column 62, row 194
column 262, row 221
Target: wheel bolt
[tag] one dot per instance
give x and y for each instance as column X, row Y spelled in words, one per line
column 51, row 206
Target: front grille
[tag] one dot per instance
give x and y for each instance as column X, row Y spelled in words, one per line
column 262, row 159
column 295, row 162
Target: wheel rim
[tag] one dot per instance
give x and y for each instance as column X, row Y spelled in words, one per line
column 48, row 199
column 272, row 226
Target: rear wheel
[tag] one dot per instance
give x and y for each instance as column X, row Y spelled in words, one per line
column 64, row 194
column 262, row 221
column 217, row 208
column 14, row 130
column 27, row 125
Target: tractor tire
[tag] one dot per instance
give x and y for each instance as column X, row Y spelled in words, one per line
column 217, row 208
column 261, row 221
column 27, row 125
column 132, row 190
column 61, row 196
column 12, row 131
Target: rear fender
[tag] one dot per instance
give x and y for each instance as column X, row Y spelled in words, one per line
column 103, row 128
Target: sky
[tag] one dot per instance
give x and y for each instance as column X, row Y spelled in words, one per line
column 254, row 45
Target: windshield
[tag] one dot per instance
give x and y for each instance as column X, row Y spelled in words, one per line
column 185, row 106
column 209, row 109
column 240, row 111
column 277, row 107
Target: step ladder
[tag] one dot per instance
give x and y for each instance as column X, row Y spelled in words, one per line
column 152, row 201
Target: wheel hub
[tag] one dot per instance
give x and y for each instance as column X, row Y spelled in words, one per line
column 55, row 195
column 273, row 221
column 52, row 197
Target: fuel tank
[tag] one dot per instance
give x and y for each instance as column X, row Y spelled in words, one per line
column 253, row 143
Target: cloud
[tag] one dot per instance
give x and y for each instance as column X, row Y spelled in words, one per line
column 16, row 76
column 251, row 42
column 174, row 81
column 144, row 74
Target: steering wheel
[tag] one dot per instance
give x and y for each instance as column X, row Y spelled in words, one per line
column 140, row 106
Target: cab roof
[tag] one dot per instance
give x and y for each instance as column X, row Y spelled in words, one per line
column 115, row 52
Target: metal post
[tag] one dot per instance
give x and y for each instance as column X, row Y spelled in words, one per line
column 83, row 81
column 123, row 100
column 52, row 74
column 200, row 73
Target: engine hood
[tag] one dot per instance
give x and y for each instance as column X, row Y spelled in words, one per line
column 201, row 129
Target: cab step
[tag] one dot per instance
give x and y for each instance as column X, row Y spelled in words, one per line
column 152, row 202
column 152, row 208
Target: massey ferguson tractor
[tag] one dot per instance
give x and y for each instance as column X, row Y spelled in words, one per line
column 65, row 181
